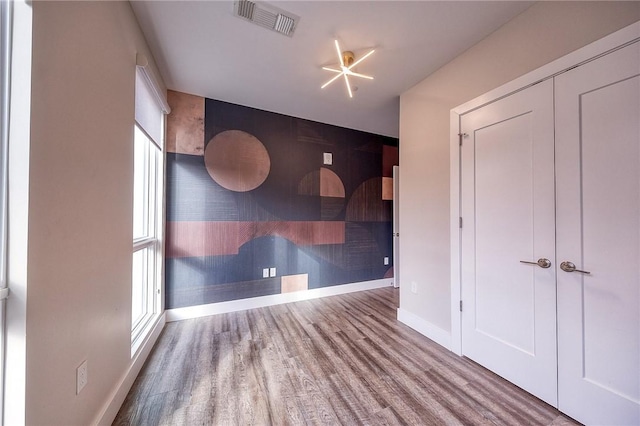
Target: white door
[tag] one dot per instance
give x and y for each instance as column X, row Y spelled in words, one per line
column 396, row 226
column 507, row 201
column 598, row 230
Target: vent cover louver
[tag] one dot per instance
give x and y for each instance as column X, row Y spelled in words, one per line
column 266, row 16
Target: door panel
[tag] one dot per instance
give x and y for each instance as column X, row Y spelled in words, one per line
column 598, row 221
column 504, row 218
column 509, row 315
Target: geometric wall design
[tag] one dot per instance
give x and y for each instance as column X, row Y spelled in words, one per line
column 237, row 160
column 387, row 188
column 248, row 190
column 291, row 283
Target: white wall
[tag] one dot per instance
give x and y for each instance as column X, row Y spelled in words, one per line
column 544, row 32
column 78, row 281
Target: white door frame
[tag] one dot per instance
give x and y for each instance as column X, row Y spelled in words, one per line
column 585, row 54
column 396, row 226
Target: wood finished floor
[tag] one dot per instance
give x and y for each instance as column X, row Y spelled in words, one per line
column 338, row 360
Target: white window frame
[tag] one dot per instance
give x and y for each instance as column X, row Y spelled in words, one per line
column 5, row 73
column 152, row 240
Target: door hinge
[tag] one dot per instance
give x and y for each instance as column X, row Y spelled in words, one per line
column 4, row 293
column 461, row 306
column 460, row 223
column 460, row 136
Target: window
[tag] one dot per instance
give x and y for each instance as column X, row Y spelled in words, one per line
column 5, row 55
column 146, row 242
column 148, row 162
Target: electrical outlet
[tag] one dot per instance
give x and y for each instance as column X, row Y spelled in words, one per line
column 265, row 273
column 82, row 377
column 272, row 272
column 414, row 287
column 386, row 260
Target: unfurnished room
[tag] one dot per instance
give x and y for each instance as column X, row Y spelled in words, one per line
column 319, row 212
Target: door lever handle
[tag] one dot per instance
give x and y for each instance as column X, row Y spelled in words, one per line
column 570, row 267
column 542, row 262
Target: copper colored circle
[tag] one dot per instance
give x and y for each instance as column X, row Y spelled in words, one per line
column 237, row 160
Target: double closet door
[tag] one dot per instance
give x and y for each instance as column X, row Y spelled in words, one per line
column 550, row 248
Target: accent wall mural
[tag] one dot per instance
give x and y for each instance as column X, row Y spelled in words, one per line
column 260, row 203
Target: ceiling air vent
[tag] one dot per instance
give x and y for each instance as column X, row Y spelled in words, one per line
column 266, row 16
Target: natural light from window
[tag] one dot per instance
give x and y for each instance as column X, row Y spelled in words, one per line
column 5, row 55
column 148, row 164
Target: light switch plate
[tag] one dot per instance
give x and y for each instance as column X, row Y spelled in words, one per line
column 327, row 158
column 386, row 260
column 265, row 273
column 272, row 272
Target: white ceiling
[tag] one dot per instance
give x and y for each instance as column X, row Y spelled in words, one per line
column 203, row 49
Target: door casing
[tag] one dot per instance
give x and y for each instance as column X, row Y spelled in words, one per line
column 614, row 41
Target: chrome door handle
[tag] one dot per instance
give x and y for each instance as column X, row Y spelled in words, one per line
column 542, row 262
column 570, row 267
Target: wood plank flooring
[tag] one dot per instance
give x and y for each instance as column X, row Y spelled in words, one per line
column 338, row 360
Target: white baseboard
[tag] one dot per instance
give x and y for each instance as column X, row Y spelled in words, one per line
column 178, row 314
column 110, row 411
column 425, row 328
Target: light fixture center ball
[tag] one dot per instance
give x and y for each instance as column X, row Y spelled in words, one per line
column 347, row 58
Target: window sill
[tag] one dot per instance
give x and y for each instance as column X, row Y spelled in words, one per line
column 142, row 331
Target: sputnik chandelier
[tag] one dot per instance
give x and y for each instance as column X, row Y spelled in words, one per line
column 346, row 65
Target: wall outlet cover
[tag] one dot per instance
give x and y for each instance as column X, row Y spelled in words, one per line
column 265, row 273
column 82, row 376
column 272, row 272
column 386, row 260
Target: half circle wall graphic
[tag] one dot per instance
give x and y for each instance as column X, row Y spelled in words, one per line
column 310, row 184
column 367, row 205
column 323, row 182
column 328, row 185
column 237, row 160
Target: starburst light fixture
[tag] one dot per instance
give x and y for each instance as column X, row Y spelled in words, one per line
column 346, row 65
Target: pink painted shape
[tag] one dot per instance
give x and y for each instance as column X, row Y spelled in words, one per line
column 197, row 239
